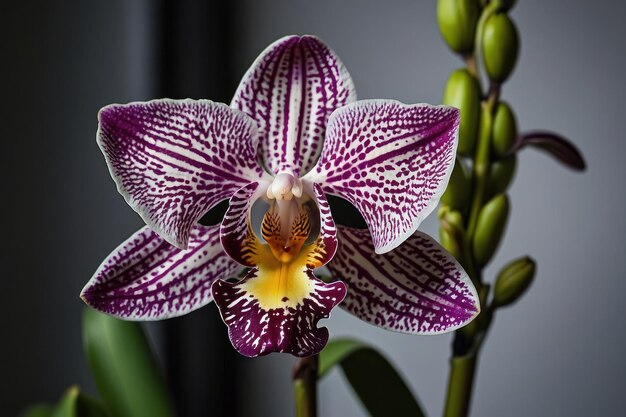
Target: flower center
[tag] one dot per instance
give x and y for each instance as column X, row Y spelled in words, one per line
column 287, row 223
column 284, row 187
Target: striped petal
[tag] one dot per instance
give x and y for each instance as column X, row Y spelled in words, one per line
column 290, row 91
column 266, row 314
column 236, row 230
column 392, row 161
column 174, row 160
column 146, row 278
column 418, row 288
column 327, row 240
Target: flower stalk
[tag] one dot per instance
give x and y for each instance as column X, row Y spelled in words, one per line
column 472, row 227
column 484, row 216
column 305, row 386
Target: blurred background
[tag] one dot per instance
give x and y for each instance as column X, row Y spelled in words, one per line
column 558, row 352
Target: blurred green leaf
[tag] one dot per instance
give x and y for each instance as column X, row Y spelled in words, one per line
column 124, row 367
column 38, row 410
column 378, row 385
column 72, row 404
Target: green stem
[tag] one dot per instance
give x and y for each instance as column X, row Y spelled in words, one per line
column 462, row 370
column 305, row 386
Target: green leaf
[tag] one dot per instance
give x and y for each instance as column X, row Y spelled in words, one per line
column 72, row 404
column 124, row 368
column 38, row 410
column 378, row 385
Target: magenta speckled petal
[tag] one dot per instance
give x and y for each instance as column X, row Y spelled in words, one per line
column 291, row 90
column 392, row 161
column 235, row 229
column 174, row 160
column 327, row 240
column 256, row 329
column 418, row 288
column 146, row 278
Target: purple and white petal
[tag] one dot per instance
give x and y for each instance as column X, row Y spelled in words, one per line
column 392, row 161
column 290, row 91
column 146, row 278
column 418, row 288
column 261, row 321
column 324, row 249
column 173, row 160
column 237, row 236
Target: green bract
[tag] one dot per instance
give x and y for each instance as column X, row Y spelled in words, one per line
column 500, row 47
column 463, row 92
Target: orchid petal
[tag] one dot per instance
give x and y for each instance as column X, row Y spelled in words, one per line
column 236, row 230
column 392, row 161
column 327, row 240
column 173, row 160
column 146, row 278
column 418, row 288
column 264, row 315
column 290, row 91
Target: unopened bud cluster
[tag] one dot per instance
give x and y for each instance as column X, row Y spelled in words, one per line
column 475, row 207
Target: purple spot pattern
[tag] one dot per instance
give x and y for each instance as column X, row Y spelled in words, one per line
column 417, row 288
column 254, row 331
column 290, row 91
column 392, row 161
column 174, row 160
column 146, row 278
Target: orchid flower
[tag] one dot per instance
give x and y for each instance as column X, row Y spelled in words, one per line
column 293, row 132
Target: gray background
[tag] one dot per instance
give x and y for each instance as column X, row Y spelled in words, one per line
column 558, row 352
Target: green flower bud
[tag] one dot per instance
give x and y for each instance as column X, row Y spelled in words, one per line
column 500, row 47
column 457, row 23
column 451, row 231
column 504, row 130
column 463, row 92
column 457, row 194
column 513, row 280
column 500, row 175
column 450, row 243
column 490, row 228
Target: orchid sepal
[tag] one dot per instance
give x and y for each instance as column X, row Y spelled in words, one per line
column 418, row 288
column 146, row 278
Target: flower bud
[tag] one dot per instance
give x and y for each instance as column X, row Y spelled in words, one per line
column 504, row 130
column 500, row 47
column 457, row 23
column 490, row 228
column 500, row 175
column 451, row 231
column 463, row 92
column 457, row 194
column 513, row 280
